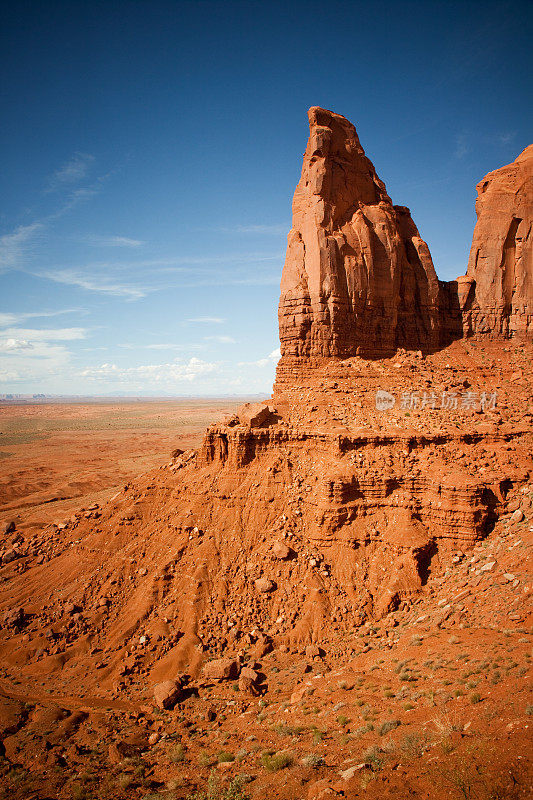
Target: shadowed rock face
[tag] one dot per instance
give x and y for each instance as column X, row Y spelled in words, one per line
column 358, row 279
column 498, row 286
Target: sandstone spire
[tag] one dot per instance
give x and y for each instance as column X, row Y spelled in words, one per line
column 358, row 279
column 498, row 286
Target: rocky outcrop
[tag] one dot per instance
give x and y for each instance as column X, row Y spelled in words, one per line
column 496, row 294
column 358, row 279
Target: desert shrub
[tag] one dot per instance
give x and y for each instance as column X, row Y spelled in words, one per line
column 374, row 758
column 225, row 758
column 313, row 760
column 177, row 753
column 213, row 791
column 124, row 780
column 413, row 745
column 386, row 727
column 273, row 762
column 205, row 760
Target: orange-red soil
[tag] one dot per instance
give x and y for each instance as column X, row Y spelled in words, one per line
column 371, row 569
column 54, row 457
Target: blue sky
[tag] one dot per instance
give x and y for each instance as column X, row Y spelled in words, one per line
column 151, row 150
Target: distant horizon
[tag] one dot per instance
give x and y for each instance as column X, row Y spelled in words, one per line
column 10, row 397
column 151, row 152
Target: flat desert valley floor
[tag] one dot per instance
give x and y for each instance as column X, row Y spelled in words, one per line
column 55, row 457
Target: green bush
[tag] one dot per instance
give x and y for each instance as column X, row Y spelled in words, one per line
column 225, row 758
column 273, row 762
column 386, row 727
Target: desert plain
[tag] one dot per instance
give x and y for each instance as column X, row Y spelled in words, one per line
column 58, row 455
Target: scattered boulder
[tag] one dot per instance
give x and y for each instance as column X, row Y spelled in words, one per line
column 313, row 651
column 254, row 414
column 322, row 790
column 221, row 669
column 517, row 516
column 167, row 694
column 264, row 585
column 349, row 773
column 248, row 680
column 7, row 527
column 13, row 618
column 10, row 555
column 299, row 693
column 262, row 646
column 281, row 551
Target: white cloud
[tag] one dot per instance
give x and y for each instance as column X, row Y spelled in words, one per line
column 266, row 229
column 112, row 241
column 163, row 346
column 44, row 334
column 214, row 320
column 101, row 283
column 177, row 371
column 75, row 169
column 462, row 146
column 12, row 345
column 40, row 363
column 14, row 245
column 13, row 318
column 36, row 355
column 272, row 358
column 220, row 339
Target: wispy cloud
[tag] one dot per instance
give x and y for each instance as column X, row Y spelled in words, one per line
column 33, row 335
column 164, row 346
column 128, row 278
column 220, row 339
column 506, row 138
column 261, row 229
column 272, row 358
column 15, row 247
column 214, row 320
column 74, row 170
column 13, row 318
column 96, row 283
column 112, row 241
column 462, row 146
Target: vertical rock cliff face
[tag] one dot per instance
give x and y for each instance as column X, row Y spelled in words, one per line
column 497, row 291
column 358, row 279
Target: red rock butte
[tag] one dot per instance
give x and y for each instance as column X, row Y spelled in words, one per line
column 358, row 278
